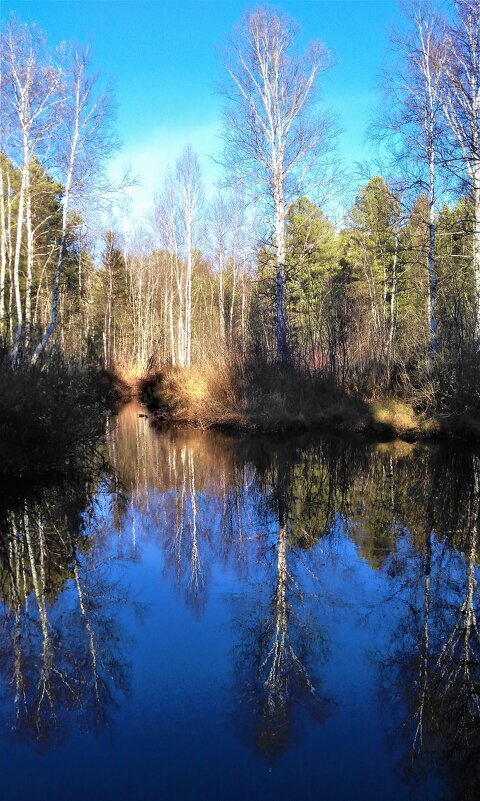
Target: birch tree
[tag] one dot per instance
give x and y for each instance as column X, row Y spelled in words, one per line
column 30, row 84
column 178, row 219
column 165, row 224
column 412, row 124
column 84, row 146
column 461, row 105
column 220, row 222
column 273, row 135
column 229, row 248
column 190, row 192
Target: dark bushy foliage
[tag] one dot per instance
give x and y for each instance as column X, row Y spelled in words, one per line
column 50, row 417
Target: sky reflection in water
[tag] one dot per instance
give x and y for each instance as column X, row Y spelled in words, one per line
column 231, row 617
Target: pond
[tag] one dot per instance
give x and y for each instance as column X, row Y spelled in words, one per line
column 230, row 617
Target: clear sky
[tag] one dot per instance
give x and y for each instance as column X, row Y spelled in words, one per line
column 161, row 58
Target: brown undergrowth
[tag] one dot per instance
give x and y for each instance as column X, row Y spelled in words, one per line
column 284, row 398
column 118, row 386
column 270, row 398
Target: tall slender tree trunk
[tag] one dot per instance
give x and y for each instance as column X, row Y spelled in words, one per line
column 188, row 302
column 63, row 236
column 280, row 291
column 243, row 316
column 393, row 304
column 3, row 251
column 9, row 244
column 171, row 327
column 232, row 300
column 16, row 269
column 432, row 272
column 58, row 272
column 476, row 248
column 221, row 299
column 29, row 270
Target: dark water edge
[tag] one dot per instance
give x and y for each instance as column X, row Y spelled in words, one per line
column 225, row 617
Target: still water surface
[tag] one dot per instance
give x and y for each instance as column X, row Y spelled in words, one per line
column 227, row 618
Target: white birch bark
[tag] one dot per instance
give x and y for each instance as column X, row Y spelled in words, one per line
column 85, row 146
column 3, row 249
column 272, row 140
column 461, row 105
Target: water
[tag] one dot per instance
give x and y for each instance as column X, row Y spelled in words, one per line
column 223, row 617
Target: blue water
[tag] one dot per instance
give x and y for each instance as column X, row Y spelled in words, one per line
column 232, row 618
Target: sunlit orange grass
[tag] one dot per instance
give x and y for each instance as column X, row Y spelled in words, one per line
column 206, row 395
column 396, row 414
column 398, row 448
column 130, row 373
column 123, row 380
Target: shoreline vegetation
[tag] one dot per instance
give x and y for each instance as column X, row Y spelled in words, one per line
column 276, row 399
column 52, row 421
column 53, row 417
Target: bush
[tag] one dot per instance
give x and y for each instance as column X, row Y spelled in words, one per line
column 50, row 418
column 263, row 397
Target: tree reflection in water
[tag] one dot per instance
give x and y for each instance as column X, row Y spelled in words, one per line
column 61, row 651
column 259, row 506
column 264, row 506
column 435, row 653
column 282, row 646
column 274, row 514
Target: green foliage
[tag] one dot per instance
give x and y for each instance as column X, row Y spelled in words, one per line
column 371, row 249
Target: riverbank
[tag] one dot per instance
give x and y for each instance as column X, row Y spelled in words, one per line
column 274, row 399
column 53, row 417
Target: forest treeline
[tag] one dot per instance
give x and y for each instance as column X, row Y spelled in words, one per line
column 263, row 276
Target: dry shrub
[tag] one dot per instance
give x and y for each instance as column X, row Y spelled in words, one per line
column 118, row 386
column 396, row 415
column 248, row 396
column 202, row 396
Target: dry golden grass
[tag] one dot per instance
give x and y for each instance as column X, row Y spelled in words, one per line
column 203, row 397
column 395, row 414
column 118, row 385
column 273, row 398
column 279, row 399
column 268, row 399
column 397, row 448
column 431, row 427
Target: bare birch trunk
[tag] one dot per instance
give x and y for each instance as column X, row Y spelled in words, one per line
column 3, row 250
column 280, row 291
column 16, row 271
column 393, row 302
column 476, row 247
column 432, row 272
column 79, row 101
column 221, row 300
column 29, row 270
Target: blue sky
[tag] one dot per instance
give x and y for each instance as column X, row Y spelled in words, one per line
column 161, row 58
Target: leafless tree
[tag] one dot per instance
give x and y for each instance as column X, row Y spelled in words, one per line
column 412, row 124
column 190, row 191
column 84, row 146
column 230, row 247
column 275, row 139
column 178, row 219
column 30, row 88
column 461, row 105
